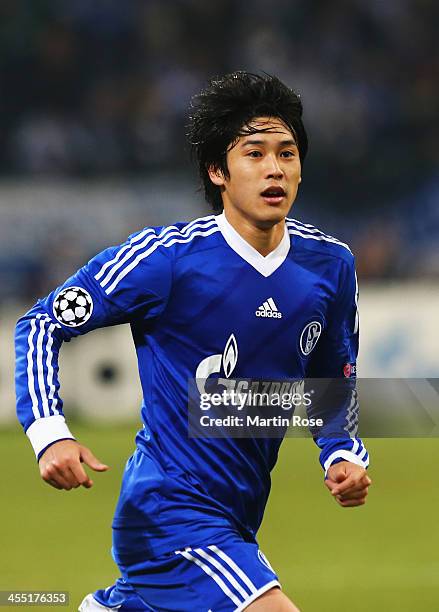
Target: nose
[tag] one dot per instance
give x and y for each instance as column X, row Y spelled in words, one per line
column 273, row 169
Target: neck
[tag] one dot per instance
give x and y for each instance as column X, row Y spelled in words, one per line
column 264, row 237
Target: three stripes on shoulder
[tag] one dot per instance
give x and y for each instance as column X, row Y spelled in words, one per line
column 146, row 242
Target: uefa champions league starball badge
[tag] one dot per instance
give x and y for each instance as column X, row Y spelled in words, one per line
column 73, row 306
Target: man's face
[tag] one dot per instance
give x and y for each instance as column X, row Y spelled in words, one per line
column 264, row 171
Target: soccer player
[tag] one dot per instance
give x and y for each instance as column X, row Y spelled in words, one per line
column 247, row 292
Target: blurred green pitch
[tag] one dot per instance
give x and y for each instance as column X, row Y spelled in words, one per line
column 382, row 557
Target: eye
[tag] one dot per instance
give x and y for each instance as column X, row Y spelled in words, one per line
column 288, row 154
column 255, row 154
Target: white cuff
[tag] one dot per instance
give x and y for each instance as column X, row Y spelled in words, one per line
column 47, row 430
column 346, row 456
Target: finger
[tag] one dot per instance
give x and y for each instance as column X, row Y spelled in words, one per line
column 62, row 475
column 73, row 479
column 58, row 482
column 63, row 481
column 366, row 480
column 80, row 475
column 353, row 495
column 350, row 503
column 349, row 482
column 89, row 459
column 53, row 483
column 51, row 475
column 65, row 472
column 356, row 488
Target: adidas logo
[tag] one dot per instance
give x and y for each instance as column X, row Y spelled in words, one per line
column 268, row 310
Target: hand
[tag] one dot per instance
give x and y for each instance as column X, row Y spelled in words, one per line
column 61, row 465
column 348, row 483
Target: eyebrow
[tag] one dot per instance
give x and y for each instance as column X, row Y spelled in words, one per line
column 283, row 143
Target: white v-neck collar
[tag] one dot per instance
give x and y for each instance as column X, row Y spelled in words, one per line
column 264, row 265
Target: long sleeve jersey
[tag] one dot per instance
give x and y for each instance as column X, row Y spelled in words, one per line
column 189, row 291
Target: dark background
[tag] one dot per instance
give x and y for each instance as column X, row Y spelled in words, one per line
column 98, row 91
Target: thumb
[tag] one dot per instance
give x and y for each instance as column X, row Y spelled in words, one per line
column 89, row 459
column 340, row 476
column 337, row 472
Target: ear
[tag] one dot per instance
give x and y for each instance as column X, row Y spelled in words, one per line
column 216, row 176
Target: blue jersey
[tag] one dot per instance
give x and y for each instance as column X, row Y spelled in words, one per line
column 201, row 302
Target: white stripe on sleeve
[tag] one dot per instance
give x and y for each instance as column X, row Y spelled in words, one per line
column 314, row 237
column 30, row 370
column 131, row 248
column 122, row 250
column 152, row 248
column 40, row 368
column 50, row 371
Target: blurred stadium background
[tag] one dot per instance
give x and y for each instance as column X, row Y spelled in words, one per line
column 93, row 106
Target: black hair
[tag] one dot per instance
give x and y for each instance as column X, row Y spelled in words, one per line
column 221, row 113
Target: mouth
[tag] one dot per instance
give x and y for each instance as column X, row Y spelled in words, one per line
column 273, row 195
